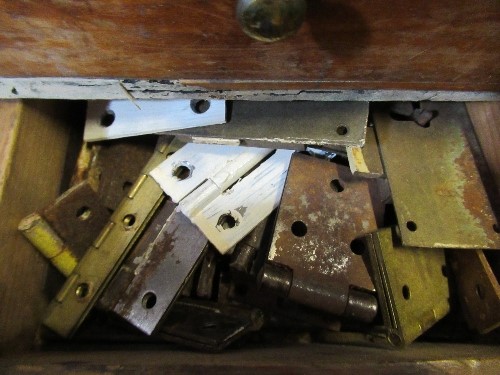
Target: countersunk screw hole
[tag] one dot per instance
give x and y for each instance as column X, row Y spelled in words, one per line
column 82, row 290
column 411, row 225
column 14, row 91
column 406, row 292
column 129, row 220
column 182, row 172
column 226, row 221
column 299, row 228
column 480, row 291
column 337, row 186
column 83, row 213
column 342, row 130
column 358, row 246
column 149, row 300
column 107, row 118
column 200, row 106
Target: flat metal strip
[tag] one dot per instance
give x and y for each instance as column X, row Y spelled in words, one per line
column 289, row 125
column 126, row 118
column 150, row 280
column 438, row 195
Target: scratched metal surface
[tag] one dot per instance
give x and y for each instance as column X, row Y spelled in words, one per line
column 438, row 195
column 160, row 263
column 333, row 219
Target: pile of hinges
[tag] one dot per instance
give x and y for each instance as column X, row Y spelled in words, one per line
column 324, row 220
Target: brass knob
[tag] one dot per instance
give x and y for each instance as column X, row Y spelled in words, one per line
column 271, row 20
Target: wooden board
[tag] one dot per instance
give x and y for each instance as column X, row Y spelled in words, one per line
column 33, row 146
column 486, row 120
column 315, row 359
column 198, row 45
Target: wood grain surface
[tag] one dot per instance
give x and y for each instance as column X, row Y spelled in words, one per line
column 356, row 44
column 33, row 160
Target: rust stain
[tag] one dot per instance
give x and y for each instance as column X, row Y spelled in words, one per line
column 330, row 219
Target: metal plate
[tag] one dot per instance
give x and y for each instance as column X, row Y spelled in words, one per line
column 126, row 118
column 209, row 326
column 194, row 164
column 287, row 125
column 77, row 216
column 117, row 165
column 155, row 272
column 438, row 195
column 323, row 209
column 93, row 273
column 232, row 215
column 478, row 289
column 413, row 290
column 365, row 161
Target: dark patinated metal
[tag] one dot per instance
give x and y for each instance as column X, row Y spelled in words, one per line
column 323, row 211
column 157, row 269
column 478, row 289
column 78, row 217
column 245, row 253
column 209, row 326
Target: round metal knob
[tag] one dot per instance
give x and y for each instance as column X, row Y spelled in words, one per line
column 271, row 20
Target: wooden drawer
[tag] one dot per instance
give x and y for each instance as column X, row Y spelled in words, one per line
column 38, row 149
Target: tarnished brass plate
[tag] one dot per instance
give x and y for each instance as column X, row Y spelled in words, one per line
column 413, row 290
column 438, row 195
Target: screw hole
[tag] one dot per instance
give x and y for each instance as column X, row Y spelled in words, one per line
column 496, row 228
column 226, row 221
column 126, row 186
column 129, row 220
column 149, row 300
column 182, row 172
column 444, row 271
column 14, row 91
column 299, row 228
column 200, row 106
column 83, row 213
column 107, row 118
column 480, row 291
column 337, row 186
column 82, row 290
column 411, row 225
column 406, row 292
column 358, row 246
column 341, row 130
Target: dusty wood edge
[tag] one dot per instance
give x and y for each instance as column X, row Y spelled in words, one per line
column 90, row 88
